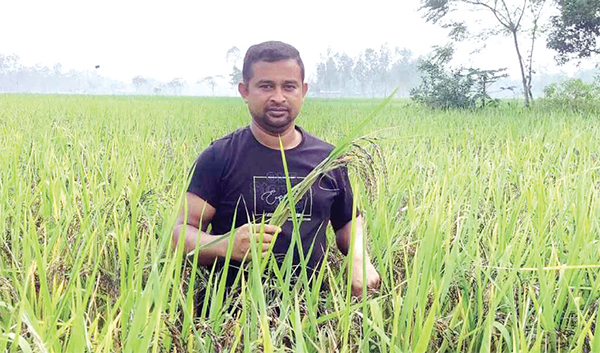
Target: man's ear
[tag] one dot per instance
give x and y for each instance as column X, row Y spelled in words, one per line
column 304, row 89
column 243, row 89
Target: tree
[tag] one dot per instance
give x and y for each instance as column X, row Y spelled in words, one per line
column 383, row 67
column 176, row 85
column 483, row 80
column 233, row 56
column 138, row 81
column 511, row 17
column 57, row 70
column 235, row 76
column 361, row 74
column 332, row 74
column 372, row 61
column 211, row 81
column 74, row 81
column 345, row 66
column 9, row 63
column 403, row 71
column 574, row 32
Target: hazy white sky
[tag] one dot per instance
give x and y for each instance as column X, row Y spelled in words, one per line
column 189, row 39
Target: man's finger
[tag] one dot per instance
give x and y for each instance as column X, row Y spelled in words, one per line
column 267, row 238
column 272, row 229
column 268, row 229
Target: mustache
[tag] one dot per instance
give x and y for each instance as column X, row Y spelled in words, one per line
column 276, row 107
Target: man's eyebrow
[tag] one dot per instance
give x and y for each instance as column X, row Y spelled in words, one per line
column 265, row 81
column 288, row 82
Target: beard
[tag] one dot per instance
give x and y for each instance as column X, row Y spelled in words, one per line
column 274, row 120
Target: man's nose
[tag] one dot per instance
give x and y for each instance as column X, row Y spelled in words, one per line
column 278, row 96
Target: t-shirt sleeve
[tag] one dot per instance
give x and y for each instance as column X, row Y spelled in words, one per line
column 206, row 175
column 341, row 209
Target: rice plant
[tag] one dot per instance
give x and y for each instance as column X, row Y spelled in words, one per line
column 485, row 231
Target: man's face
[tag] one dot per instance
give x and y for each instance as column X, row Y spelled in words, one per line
column 274, row 94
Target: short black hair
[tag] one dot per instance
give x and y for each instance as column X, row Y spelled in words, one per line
column 270, row 51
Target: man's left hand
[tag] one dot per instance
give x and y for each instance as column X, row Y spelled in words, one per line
column 372, row 277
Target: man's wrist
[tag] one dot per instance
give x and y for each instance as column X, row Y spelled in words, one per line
column 221, row 246
column 217, row 249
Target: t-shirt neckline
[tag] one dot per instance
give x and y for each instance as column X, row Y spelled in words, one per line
column 302, row 133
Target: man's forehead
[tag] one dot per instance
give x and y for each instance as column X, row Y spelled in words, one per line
column 287, row 69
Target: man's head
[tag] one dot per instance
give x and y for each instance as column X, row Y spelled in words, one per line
column 270, row 52
column 273, row 86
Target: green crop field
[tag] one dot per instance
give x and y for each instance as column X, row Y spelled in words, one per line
column 485, row 230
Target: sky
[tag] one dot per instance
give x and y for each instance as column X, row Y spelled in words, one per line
column 189, row 39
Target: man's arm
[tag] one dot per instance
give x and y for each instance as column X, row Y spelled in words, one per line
column 343, row 237
column 200, row 214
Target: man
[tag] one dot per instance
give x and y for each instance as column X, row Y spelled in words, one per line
column 242, row 175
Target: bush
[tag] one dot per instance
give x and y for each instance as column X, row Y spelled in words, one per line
column 443, row 88
column 573, row 94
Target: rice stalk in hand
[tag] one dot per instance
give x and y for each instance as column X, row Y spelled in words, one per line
column 349, row 152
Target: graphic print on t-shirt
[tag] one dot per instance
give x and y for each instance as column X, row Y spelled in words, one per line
column 270, row 189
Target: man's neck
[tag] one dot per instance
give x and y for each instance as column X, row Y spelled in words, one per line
column 290, row 138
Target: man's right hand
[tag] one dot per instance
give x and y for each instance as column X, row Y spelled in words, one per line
column 243, row 238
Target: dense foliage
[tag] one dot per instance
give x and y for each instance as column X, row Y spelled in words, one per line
column 574, row 33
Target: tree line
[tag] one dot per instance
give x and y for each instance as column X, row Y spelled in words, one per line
column 370, row 73
column 17, row 77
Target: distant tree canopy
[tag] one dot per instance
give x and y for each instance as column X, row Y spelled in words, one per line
column 575, row 31
column 371, row 73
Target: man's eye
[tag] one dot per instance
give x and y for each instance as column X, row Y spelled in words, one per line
column 266, row 86
column 290, row 87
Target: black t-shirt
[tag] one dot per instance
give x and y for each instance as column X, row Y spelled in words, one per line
column 237, row 170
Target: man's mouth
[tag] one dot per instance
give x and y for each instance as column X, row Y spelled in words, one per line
column 277, row 111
